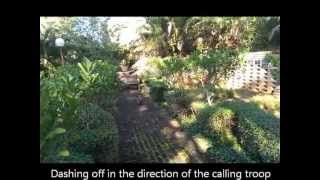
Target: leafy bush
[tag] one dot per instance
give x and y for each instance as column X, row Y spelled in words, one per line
column 258, row 131
column 219, row 128
column 221, row 120
column 215, row 123
column 101, row 81
column 223, row 153
column 157, row 88
column 264, row 26
column 240, row 132
column 95, row 133
column 61, row 94
column 180, row 97
column 59, row 98
column 217, row 64
column 197, row 68
column 171, row 65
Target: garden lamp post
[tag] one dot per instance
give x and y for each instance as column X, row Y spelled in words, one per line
column 60, row 43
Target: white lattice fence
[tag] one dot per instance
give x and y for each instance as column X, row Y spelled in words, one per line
column 255, row 74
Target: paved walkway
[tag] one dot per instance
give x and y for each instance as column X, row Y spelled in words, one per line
column 147, row 133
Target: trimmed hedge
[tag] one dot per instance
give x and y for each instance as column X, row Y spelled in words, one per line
column 219, row 127
column 95, row 133
column 223, row 153
column 240, row 132
column 258, row 131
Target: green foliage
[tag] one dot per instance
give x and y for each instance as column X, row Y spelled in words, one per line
column 61, row 94
column 221, row 120
column 180, row 97
column 59, row 98
column 274, row 60
column 219, row 64
column 239, row 132
column 84, row 37
column 221, row 32
column 216, row 123
column 223, row 153
column 172, row 65
column 154, row 36
column 157, row 88
column 86, row 72
column 264, row 28
column 183, row 35
column 210, row 68
column 258, row 131
column 95, row 133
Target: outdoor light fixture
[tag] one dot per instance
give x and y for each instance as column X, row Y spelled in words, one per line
column 60, row 43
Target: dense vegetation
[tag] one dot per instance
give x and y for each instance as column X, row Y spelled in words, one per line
column 189, row 81
column 187, row 60
column 167, row 36
column 74, row 99
column 77, row 99
column 237, row 131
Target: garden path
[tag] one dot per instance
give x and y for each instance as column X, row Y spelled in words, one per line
column 147, row 133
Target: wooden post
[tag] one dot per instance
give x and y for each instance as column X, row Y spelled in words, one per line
column 61, row 56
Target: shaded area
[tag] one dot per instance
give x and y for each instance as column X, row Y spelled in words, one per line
column 147, row 134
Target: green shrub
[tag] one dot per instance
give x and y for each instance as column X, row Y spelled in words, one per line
column 240, row 132
column 172, row 65
column 61, row 94
column 157, row 89
column 180, row 97
column 258, row 131
column 221, row 120
column 95, row 133
column 224, row 153
column 219, row 128
column 92, row 116
column 263, row 29
column 191, row 124
column 59, row 98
